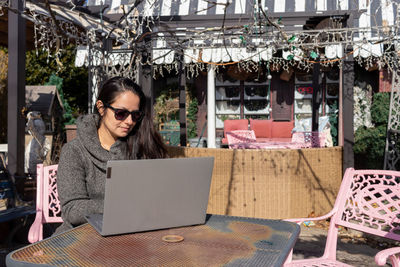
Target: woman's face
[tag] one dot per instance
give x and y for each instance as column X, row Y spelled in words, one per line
column 119, row 128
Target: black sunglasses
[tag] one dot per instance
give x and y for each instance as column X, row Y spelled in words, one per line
column 122, row 114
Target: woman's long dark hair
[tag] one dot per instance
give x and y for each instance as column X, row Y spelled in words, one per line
column 144, row 142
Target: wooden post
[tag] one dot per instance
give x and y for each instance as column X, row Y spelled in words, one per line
column 146, row 82
column 145, row 73
column 182, row 101
column 348, row 105
column 16, row 88
column 316, row 97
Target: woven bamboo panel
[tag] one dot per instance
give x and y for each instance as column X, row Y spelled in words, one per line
column 274, row 184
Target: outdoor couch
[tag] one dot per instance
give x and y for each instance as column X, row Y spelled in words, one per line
column 269, row 130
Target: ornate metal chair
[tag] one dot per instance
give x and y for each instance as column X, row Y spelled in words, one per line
column 368, row 201
column 48, row 209
column 235, row 138
column 309, row 139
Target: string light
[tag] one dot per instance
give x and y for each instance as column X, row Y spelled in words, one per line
column 256, row 34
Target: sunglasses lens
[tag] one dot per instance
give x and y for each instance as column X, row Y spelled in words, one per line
column 136, row 115
column 121, row 114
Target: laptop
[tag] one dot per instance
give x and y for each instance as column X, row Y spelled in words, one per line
column 143, row 195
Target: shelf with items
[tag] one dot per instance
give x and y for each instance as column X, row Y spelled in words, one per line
column 303, row 91
column 228, row 107
column 256, row 100
column 219, row 82
column 303, row 78
column 227, row 93
column 303, row 86
column 256, row 91
column 332, row 90
column 229, row 96
column 304, row 106
column 248, row 98
column 255, row 107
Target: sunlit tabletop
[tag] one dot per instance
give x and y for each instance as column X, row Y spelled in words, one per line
column 222, row 241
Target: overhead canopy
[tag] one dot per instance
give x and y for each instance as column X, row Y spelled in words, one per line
column 220, row 31
column 377, row 13
column 187, row 18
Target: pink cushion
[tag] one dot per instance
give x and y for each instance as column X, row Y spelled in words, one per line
column 233, row 125
column 262, row 128
column 282, row 129
column 268, row 140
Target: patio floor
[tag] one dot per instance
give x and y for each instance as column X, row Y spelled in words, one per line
column 353, row 248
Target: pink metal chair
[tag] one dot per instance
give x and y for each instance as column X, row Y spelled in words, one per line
column 235, row 138
column 309, row 139
column 391, row 253
column 368, row 201
column 48, row 209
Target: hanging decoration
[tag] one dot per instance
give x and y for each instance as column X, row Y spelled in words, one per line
column 259, row 41
column 3, row 4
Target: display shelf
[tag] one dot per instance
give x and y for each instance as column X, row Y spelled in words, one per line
column 298, row 95
column 219, row 123
column 227, row 113
column 264, row 110
column 227, row 107
column 303, row 79
column 228, row 98
column 304, row 106
column 248, row 98
column 258, row 112
column 227, row 92
column 256, row 106
column 226, row 83
column 332, row 90
column 256, row 90
column 263, row 83
column 331, row 81
column 224, row 98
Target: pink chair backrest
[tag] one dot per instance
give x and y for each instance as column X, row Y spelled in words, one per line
column 262, row 128
column 282, row 129
column 233, row 125
column 51, row 203
column 309, row 139
column 48, row 209
column 240, row 136
column 369, row 201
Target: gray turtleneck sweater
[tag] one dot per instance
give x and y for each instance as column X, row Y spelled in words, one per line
column 81, row 172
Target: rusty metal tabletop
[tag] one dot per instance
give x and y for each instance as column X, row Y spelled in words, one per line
column 222, row 241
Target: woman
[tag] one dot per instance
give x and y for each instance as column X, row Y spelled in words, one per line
column 120, row 129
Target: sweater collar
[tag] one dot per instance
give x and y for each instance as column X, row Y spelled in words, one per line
column 87, row 126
